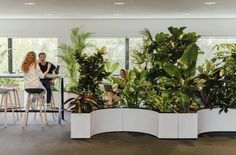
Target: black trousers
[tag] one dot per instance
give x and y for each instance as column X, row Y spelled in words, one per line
column 48, row 86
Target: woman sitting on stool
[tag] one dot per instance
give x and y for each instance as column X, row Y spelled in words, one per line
column 32, row 73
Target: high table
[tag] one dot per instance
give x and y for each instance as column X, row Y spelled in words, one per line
column 60, row 94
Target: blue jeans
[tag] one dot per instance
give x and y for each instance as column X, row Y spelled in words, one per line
column 48, row 86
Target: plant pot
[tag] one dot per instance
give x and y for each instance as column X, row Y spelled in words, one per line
column 80, row 125
column 168, row 125
column 178, row 125
column 162, row 125
column 212, row 121
column 106, row 120
column 140, row 120
column 188, row 126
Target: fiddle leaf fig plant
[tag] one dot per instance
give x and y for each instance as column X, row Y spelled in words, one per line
column 170, row 62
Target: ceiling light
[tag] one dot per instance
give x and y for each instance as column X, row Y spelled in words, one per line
column 116, row 14
column 119, row 3
column 210, row 3
column 49, row 14
column 30, row 3
column 187, row 14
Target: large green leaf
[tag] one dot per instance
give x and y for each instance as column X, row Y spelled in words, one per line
column 189, row 59
column 190, row 55
column 172, row 70
column 111, row 67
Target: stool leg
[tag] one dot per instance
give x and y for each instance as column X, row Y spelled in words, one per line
column 40, row 114
column 12, row 108
column 37, row 103
column 15, row 99
column 53, row 106
column 45, row 114
column 5, row 110
column 28, row 106
column 2, row 100
column 26, row 109
column 18, row 100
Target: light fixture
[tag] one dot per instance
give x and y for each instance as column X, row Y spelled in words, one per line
column 29, row 3
column 210, row 3
column 187, row 14
column 119, row 3
column 116, row 14
column 49, row 14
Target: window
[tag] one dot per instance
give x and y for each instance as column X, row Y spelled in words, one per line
column 115, row 49
column 134, row 43
column 3, row 55
column 206, row 44
column 21, row 46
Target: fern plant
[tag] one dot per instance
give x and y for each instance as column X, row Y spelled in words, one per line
column 67, row 54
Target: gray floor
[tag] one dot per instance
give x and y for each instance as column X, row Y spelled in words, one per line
column 55, row 140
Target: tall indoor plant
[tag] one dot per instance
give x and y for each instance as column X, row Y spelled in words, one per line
column 170, row 62
column 79, row 43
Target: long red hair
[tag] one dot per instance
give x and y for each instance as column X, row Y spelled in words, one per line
column 30, row 59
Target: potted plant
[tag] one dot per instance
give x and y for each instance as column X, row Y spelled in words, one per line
column 79, row 40
column 91, row 72
column 170, row 61
column 218, row 91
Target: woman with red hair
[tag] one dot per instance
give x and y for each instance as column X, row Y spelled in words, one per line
column 32, row 71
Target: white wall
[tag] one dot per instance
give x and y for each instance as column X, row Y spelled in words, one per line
column 111, row 27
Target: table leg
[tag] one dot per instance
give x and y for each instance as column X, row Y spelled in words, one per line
column 60, row 102
column 62, row 98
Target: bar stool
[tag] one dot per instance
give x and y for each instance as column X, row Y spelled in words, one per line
column 4, row 95
column 39, row 99
column 52, row 106
column 14, row 89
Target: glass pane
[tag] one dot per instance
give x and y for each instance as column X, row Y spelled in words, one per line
column 3, row 55
column 206, row 44
column 21, row 46
column 134, row 43
column 115, row 49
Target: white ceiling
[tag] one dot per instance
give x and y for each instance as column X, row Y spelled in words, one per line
column 100, row 9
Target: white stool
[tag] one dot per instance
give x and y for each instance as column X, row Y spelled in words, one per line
column 14, row 89
column 5, row 94
column 39, row 99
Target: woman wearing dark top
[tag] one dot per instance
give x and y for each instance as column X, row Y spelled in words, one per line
column 47, row 83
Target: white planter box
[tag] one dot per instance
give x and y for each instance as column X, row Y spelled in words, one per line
column 168, row 125
column 178, row 125
column 140, row 120
column 106, row 120
column 212, row 121
column 80, row 125
column 188, row 126
column 162, row 125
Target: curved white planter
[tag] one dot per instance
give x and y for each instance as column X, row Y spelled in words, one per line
column 178, row 125
column 212, row 121
column 106, row 120
column 134, row 120
column 140, row 120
